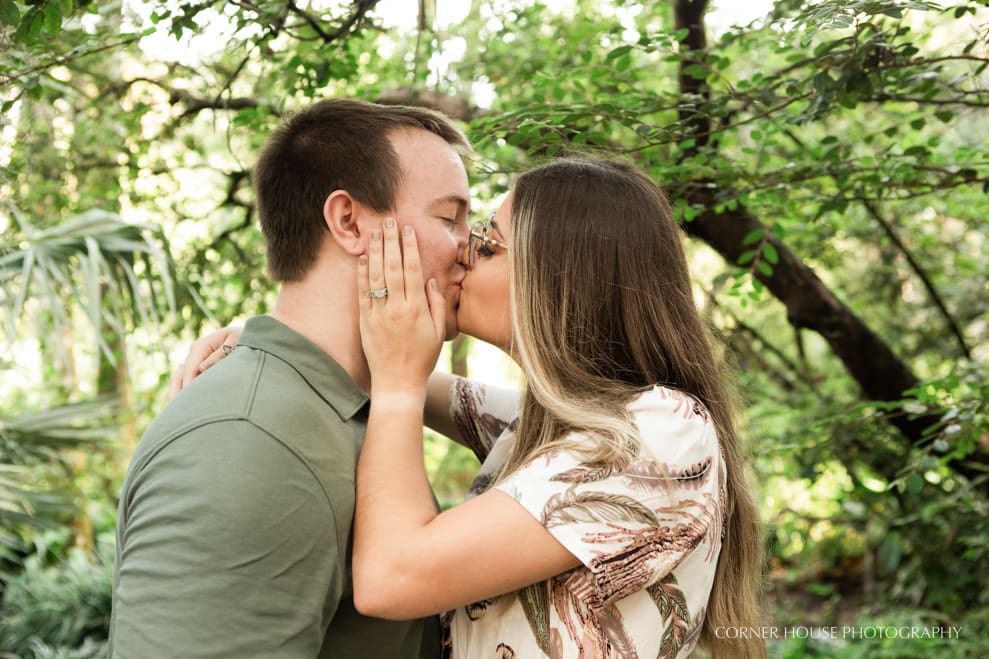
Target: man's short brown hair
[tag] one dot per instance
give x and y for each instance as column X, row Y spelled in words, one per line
column 336, row 144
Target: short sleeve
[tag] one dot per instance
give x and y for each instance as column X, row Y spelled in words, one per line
column 629, row 525
column 482, row 412
column 226, row 550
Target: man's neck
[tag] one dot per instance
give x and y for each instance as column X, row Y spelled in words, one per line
column 323, row 308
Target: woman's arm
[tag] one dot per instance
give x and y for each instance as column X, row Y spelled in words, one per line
column 409, row 561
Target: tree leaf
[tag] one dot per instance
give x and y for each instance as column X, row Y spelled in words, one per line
column 9, row 13
column 621, row 51
column 752, row 237
column 53, row 18
column 746, row 257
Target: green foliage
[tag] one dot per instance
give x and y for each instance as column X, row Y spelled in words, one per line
column 58, row 609
column 452, row 467
column 32, row 457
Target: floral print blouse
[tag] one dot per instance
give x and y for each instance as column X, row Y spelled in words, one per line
column 647, row 531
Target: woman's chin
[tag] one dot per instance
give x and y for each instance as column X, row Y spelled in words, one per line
column 465, row 324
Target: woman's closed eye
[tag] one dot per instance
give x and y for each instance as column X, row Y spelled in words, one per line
column 484, row 250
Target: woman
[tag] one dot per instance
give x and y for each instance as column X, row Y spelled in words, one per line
column 611, row 516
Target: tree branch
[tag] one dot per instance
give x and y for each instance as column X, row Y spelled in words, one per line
column 362, row 7
column 919, row 271
column 68, row 57
column 881, row 98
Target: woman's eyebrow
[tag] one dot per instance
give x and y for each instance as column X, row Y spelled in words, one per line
column 494, row 225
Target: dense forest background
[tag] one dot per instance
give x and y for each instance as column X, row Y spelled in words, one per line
column 827, row 161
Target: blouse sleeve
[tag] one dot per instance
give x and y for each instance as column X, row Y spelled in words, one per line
column 482, row 412
column 632, row 523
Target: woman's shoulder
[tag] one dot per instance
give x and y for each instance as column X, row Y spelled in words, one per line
column 674, row 425
column 669, row 401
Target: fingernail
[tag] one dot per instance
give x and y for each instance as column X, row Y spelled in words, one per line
column 375, row 235
column 389, row 222
column 407, row 231
column 362, row 260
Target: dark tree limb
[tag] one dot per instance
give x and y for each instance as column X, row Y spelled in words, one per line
column 451, row 106
column 195, row 104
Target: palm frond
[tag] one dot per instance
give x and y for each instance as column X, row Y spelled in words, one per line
column 40, row 434
column 29, row 444
column 86, row 262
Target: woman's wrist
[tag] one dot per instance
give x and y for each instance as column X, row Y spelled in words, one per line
column 396, row 398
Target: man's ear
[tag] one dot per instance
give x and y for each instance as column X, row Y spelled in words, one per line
column 341, row 212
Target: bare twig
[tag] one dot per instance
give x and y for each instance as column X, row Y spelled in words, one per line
column 921, row 273
column 361, row 8
column 68, row 57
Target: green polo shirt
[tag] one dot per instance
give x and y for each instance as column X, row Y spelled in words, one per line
column 234, row 527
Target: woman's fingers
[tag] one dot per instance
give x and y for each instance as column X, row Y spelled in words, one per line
column 391, row 274
column 215, row 356
column 394, row 279
column 202, row 354
column 363, row 299
column 375, row 264
column 437, row 307
column 411, row 266
column 175, row 384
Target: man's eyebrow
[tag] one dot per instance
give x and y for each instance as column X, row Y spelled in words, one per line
column 461, row 202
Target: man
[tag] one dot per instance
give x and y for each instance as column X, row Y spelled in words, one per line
column 233, row 536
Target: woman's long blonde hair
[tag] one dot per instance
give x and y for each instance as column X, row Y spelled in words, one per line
column 603, row 310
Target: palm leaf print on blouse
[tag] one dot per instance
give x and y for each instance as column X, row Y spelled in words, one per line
column 686, row 405
column 571, row 506
column 535, row 605
column 465, row 413
column 672, row 606
column 504, row 652
column 476, row 610
column 646, row 475
column 585, row 473
column 446, row 637
column 482, row 483
column 566, row 612
column 613, row 627
column 694, row 632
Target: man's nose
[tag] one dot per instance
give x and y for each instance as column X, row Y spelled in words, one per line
column 462, row 256
column 463, row 241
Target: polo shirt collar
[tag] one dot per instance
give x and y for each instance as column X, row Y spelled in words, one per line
column 327, row 378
